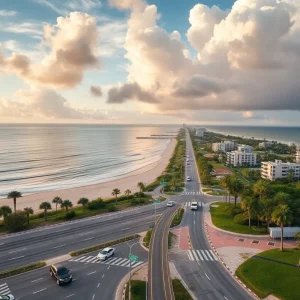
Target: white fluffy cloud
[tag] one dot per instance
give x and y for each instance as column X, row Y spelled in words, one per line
column 72, row 45
column 247, row 58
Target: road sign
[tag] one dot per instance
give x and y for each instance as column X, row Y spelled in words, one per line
column 134, row 257
column 157, row 200
column 164, row 183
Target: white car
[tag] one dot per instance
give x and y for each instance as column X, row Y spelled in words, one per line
column 106, row 253
column 194, row 206
column 170, row 203
column 188, row 178
column 7, row 297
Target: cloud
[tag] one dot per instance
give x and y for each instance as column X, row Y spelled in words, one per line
column 247, row 57
column 72, row 45
column 129, row 91
column 128, row 4
column 47, row 104
column 8, row 13
column 96, row 91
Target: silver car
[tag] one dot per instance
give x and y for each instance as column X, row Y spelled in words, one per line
column 170, row 203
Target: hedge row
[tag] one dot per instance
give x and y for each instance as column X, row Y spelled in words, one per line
column 20, row 270
column 101, row 246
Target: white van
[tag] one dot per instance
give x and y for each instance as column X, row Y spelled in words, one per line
column 194, row 206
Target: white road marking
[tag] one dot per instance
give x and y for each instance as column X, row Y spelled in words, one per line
column 199, row 254
column 84, row 233
column 108, row 267
column 208, row 254
column 61, row 230
column 93, row 297
column 17, row 250
column 89, row 239
column 91, row 273
column 213, row 254
column 207, row 276
column 125, row 229
column 1, row 244
column 16, row 257
column 70, row 295
column 37, row 280
column 59, row 246
column 203, row 253
column 103, row 275
column 39, row 291
column 98, row 285
column 225, row 297
column 189, row 253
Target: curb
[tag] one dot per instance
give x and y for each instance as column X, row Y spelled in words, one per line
column 249, row 291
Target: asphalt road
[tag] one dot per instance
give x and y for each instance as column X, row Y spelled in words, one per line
column 206, row 277
column 24, row 248
column 92, row 280
column 159, row 280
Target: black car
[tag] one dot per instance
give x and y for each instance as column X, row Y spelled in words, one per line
column 61, row 274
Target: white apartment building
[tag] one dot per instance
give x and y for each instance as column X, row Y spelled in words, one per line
column 274, row 170
column 200, row 132
column 224, row 146
column 265, row 145
column 298, row 157
column 243, row 156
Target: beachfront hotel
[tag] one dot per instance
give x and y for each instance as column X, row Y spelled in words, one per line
column 277, row 170
column 243, row 156
column 224, row 146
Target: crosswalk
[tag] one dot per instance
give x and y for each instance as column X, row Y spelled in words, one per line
column 4, row 290
column 186, row 193
column 204, row 255
column 188, row 204
column 116, row 261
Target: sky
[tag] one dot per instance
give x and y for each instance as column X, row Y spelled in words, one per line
column 150, row 62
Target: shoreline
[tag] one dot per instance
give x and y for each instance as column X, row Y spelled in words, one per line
column 104, row 189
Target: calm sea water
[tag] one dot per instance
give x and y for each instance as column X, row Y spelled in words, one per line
column 284, row 134
column 36, row 158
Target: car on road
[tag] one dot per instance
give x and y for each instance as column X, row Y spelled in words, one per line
column 61, row 274
column 106, row 253
column 188, row 178
column 170, row 203
column 194, row 206
column 7, row 297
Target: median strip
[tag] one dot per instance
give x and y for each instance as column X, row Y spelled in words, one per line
column 104, row 245
column 20, row 270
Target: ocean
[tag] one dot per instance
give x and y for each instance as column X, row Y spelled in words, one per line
column 280, row 134
column 35, row 158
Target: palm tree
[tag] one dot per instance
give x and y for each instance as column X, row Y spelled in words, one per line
column 291, row 175
column 66, row 204
column 115, row 193
column 268, row 208
column 236, row 187
column 5, row 210
column 45, row 206
column 281, row 198
column 14, row 195
column 83, row 202
column 282, row 215
column 127, row 192
column 248, row 204
column 225, row 183
column 28, row 211
column 56, row 200
column 261, row 188
column 297, row 238
column 142, row 187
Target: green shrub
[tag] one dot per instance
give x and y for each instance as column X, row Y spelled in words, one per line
column 233, row 211
column 147, row 238
column 70, row 215
column 16, row 222
column 241, row 219
column 19, row 270
column 111, row 207
column 96, row 204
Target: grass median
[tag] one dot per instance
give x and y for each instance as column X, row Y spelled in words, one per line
column 177, row 218
column 104, row 245
column 180, row 291
column 138, row 290
column 223, row 219
column 23, row 269
column 266, row 277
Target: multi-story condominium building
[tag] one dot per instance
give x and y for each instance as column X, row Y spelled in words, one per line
column 243, row 156
column 265, row 145
column 224, row 146
column 200, row 132
column 274, row 170
column 298, row 157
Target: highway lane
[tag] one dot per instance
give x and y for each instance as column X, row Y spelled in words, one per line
column 25, row 248
column 92, row 280
column 159, row 280
column 207, row 276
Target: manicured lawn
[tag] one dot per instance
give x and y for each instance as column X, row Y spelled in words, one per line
column 179, row 291
column 219, row 166
column 266, row 277
column 223, row 220
column 138, row 290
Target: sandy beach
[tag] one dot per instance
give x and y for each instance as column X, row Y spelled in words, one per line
column 147, row 175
